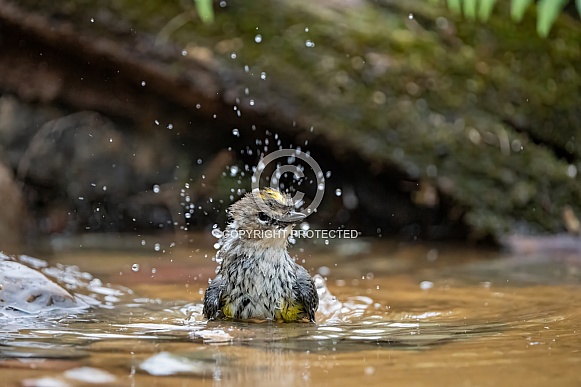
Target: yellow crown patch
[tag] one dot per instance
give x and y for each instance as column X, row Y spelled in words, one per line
column 270, row 193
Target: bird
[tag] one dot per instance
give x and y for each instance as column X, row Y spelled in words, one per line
column 258, row 280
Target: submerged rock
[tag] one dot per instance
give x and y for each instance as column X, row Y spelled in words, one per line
column 27, row 290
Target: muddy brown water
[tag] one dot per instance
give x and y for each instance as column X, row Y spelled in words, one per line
column 391, row 314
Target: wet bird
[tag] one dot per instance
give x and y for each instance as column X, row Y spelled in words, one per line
column 258, row 280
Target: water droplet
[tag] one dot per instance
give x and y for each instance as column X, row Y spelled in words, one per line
column 338, row 192
column 258, row 38
column 236, row 132
column 324, row 271
column 135, row 267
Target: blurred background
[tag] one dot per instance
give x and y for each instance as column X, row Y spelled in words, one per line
column 430, row 119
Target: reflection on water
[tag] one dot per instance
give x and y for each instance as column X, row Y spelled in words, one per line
column 378, row 322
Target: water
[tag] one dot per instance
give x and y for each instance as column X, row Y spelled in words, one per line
column 486, row 318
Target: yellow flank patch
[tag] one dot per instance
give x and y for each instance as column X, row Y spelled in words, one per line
column 291, row 312
column 269, row 193
column 227, row 310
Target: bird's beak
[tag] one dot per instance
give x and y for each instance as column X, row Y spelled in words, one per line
column 294, row 217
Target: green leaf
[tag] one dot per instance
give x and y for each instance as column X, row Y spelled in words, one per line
column 548, row 11
column 205, row 10
column 470, row 9
column 518, row 8
column 454, row 6
column 485, row 9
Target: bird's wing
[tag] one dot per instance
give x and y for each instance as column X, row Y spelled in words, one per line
column 212, row 298
column 306, row 292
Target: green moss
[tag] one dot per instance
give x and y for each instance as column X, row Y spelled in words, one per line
column 432, row 91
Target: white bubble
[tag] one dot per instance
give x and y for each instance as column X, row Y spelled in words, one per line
column 157, row 247
column 411, row 16
column 184, row 53
column 156, row 188
column 309, row 43
column 142, row 83
column 217, row 233
column 425, row 285
column 571, row 171
column 369, row 370
column 258, row 38
column 338, row 192
column 217, row 245
column 236, row 132
column 263, row 75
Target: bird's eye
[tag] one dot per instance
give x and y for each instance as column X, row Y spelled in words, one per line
column 263, row 217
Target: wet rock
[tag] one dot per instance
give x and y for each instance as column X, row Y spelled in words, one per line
column 27, row 290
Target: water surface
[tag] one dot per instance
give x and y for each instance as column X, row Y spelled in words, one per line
column 397, row 314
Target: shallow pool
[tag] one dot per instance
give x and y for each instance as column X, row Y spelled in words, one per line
column 391, row 314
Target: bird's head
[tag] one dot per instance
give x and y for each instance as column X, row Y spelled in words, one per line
column 265, row 216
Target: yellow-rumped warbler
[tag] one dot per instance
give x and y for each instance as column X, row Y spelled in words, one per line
column 258, row 279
